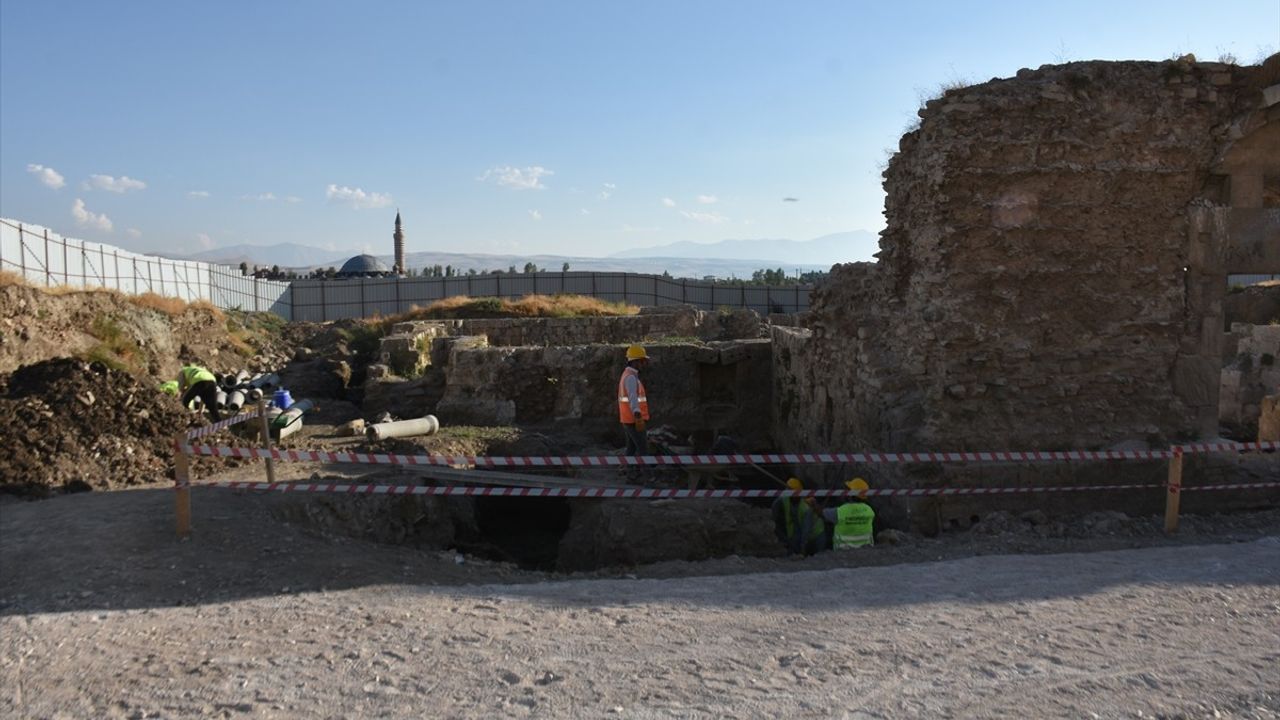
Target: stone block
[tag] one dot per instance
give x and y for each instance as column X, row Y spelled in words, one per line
column 1195, row 379
column 1269, row 419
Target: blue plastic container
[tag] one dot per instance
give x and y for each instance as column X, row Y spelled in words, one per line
column 282, row 399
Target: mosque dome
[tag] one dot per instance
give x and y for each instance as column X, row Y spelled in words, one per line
column 364, row 266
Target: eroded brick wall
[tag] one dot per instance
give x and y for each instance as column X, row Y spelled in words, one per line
column 1031, row 290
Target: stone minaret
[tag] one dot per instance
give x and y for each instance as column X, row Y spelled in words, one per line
column 399, row 238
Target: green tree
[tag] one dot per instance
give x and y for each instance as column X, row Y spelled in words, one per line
column 564, row 267
column 530, row 268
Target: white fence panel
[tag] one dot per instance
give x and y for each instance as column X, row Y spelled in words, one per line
column 45, row 258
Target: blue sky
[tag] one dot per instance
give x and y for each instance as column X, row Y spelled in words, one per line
column 571, row 128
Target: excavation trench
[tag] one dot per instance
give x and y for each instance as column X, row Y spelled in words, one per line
column 548, row 534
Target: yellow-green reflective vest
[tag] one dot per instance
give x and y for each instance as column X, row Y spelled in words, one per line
column 853, row 526
column 192, row 374
column 797, row 509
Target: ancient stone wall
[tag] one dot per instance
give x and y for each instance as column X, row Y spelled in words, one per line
column 1033, row 289
column 1251, row 374
column 691, row 387
column 402, row 343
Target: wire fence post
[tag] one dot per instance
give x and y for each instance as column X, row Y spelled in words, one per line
column 22, row 253
column 266, row 439
column 48, row 274
column 1173, row 492
column 181, row 487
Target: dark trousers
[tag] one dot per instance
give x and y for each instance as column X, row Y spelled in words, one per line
column 637, row 440
column 207, row 391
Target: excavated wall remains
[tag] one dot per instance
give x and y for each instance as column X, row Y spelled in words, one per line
column 709, row 371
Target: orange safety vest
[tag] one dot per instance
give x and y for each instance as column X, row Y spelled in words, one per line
column 624, row 403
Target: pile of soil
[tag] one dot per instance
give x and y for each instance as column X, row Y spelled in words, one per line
column 72, row 426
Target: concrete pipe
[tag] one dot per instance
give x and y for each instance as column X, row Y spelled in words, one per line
column 265, row 382
column 289, row 429
column 253, row 395
column 242, row 377
column 220, row 399
column 235, row 400
column 293, row 414
column 403, row 428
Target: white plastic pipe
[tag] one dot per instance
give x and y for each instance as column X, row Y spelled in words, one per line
column 235, row 400
column 403, row 428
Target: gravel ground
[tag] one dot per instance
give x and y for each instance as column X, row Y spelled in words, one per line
column 104, row 614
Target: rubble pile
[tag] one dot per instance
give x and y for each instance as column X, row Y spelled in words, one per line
column 73, row 426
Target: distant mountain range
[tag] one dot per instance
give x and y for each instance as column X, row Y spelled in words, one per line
column 290, row 255
column 826, row 250
column 727, row 258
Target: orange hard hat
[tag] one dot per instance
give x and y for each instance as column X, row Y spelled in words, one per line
column 636, row 352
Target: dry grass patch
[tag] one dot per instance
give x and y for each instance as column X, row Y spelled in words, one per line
column 8, row 277
column 529, row 306
column 167, row 305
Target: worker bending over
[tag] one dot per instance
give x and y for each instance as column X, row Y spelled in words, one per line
column 197, row 382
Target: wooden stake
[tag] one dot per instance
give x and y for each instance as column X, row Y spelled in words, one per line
column 182, row 487
column 1173, row 492
column 266, row 438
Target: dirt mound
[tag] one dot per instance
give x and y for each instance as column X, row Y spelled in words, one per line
column 72, row 426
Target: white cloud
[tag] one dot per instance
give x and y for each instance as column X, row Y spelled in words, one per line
column 707, row 199
column 47, row 175
column 585, row 211
column 195, row 194
column 529, row 178
column 85, row 218
column 264, row 197
column 206, row 242
column 668, row 202
column 356, row 198
column 293, row 199
column 607, row 191
column 134, row 233
column 122, row 184
column 707, row 218
column 535, row 214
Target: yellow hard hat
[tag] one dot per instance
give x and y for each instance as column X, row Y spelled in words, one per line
column 794, row 484
column 636, row 352
column 859, row 486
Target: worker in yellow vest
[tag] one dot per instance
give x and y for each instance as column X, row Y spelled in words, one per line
column 852, row 522
column 633, row 404
column 798, row 522
column 197, row 382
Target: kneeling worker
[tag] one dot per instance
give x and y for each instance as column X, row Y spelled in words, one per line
column 797, row 522
column 853, row 520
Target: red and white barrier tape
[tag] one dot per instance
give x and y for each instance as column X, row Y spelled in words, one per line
column 1231, row 486
column 215, row 427
column 642, row 493
column 588, row 461
column 1226, row 447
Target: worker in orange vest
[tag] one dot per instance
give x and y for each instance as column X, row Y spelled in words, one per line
column 633, row 405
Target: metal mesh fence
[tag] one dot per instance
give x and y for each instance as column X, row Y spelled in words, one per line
column 43, row 257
